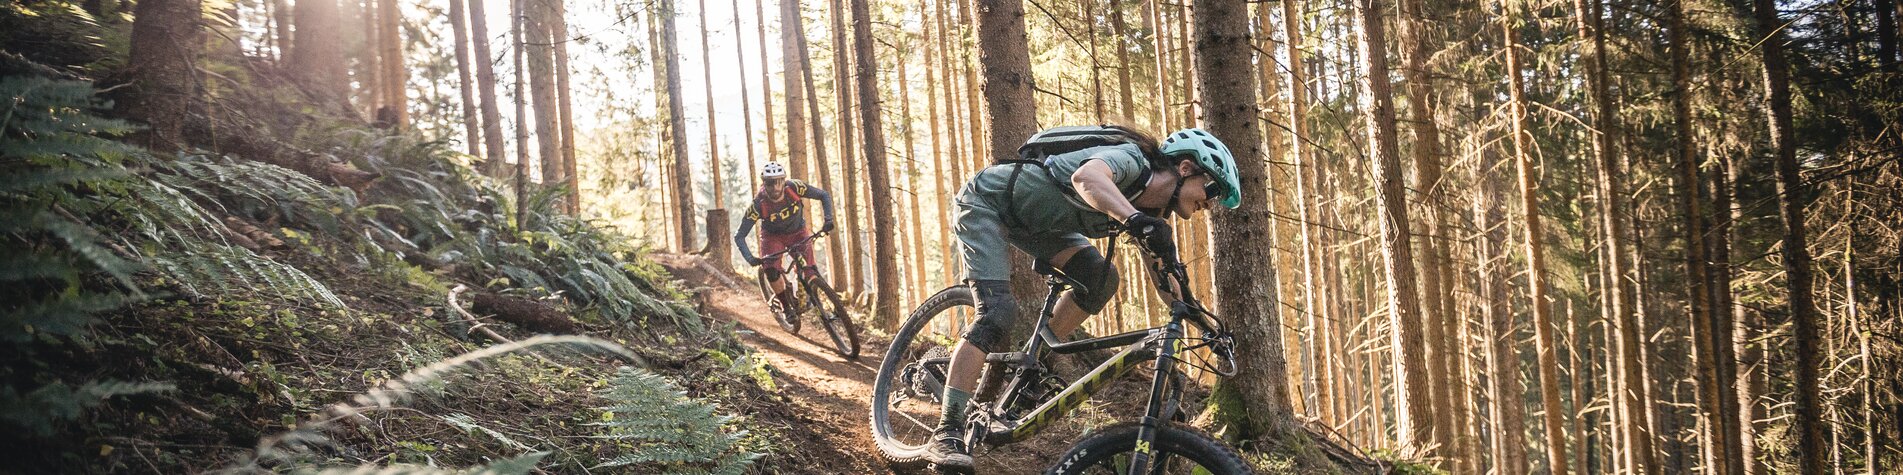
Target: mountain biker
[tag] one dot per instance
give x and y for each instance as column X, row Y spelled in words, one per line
column 780, row 209
column 1087, row 193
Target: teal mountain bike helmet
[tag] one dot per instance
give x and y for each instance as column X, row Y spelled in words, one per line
column 1214, row 158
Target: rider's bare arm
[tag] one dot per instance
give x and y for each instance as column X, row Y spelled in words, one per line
column 1097, row 186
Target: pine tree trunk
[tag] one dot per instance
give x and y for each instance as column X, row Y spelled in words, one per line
column 1414, row 399
column 518, row 33
column 1012, row 110
column 395, row 76
column 558, row 34
column 370, row 83
column 913, row 188
column 792, row 36
column 1248, row 283
column 854, row 280
column 1426, row 154
column 167, row 36
column 1639, row 456
column 1120, row 33
column 1809, row 450
column 713, row 129
column 978, row 119
column 1704, row 329
column 663, row 139
column 1548, row 358
column 746, row 100
column 472, row 137
column 941, row 167
column 1507, row 414
column 541, row 58
column 836, row 253
column 1746, row 355
column 766, row 87
column 1160, row 122
column 318, row 52
column 486, row 80
column 1313, row 317
column 281, row 28
column 885, row 307
column 682, row 173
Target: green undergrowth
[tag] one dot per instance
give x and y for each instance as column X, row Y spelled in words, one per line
column 181, row 313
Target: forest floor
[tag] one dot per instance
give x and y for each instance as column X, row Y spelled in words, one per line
column 829, row 394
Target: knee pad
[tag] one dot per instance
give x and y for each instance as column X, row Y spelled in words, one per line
column 773, row 273
column 1097, row 276
column 997, row 310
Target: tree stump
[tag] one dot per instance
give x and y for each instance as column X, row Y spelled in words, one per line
column 719, row 251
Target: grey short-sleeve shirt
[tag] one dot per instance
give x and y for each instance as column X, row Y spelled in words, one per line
column 1039, row 203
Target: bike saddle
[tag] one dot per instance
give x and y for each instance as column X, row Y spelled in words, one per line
column 1051, row 272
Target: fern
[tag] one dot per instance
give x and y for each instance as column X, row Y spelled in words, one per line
column 36, row 411
column 398, row 391
column 521, row 465
column 666, row 431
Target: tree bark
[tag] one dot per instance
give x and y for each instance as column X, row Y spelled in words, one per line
column 1248, row 282
column 835, row 252
column 318, row 50
column 1120, row 33
column 713, row 129
column 281, row 29
column 541, row 64
column 394, row 75
column 1503, row 363
column 471, row 132
column 1011, row 109
column 1426, row 154
column 163, row 62
column 746, row 99
column 913, row 188
column 1414, row 412
column 766, row 87
column 941, row 167
column 1161, row 120
column 849, row 168
column 558, row 34
column 486, row 79
column 1536, row 261
column 682, row 173
column 1809, row 452
column 1704, row 329
column 792, row 36
column 1639, row 456
column 885, row 307
column 518, row 33
column 370, row 84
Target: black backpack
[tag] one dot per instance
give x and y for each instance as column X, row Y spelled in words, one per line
column 1061, row 140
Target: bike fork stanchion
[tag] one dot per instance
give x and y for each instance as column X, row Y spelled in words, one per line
column 1167, row 346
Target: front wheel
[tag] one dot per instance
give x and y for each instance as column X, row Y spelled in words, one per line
column 833, row 316
column 787, row 319
column 1179, row 450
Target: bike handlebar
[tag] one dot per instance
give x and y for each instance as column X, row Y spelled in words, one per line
column 795, row 245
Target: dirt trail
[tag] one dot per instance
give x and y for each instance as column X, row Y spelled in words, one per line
column 830, row 393
column 823, row 387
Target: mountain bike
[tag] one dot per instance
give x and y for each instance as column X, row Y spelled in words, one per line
column 810, row 294
column 1018, row 395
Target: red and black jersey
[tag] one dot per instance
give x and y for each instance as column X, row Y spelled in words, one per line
column 788, row 215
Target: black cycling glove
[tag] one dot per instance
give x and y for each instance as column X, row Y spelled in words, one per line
column 1153, row 232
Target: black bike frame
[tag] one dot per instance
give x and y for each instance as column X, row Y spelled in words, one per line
column 1159, row 344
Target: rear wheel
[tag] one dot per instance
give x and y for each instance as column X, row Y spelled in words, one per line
column 1179, row 450
column 905, row 395
column 833, row 315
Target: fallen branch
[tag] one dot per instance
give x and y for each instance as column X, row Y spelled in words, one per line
column 524, row 313
column 474, row 326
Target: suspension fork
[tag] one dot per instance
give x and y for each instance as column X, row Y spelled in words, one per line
column 1168, row 346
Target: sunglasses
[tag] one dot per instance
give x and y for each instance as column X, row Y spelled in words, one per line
column 1212, row 189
